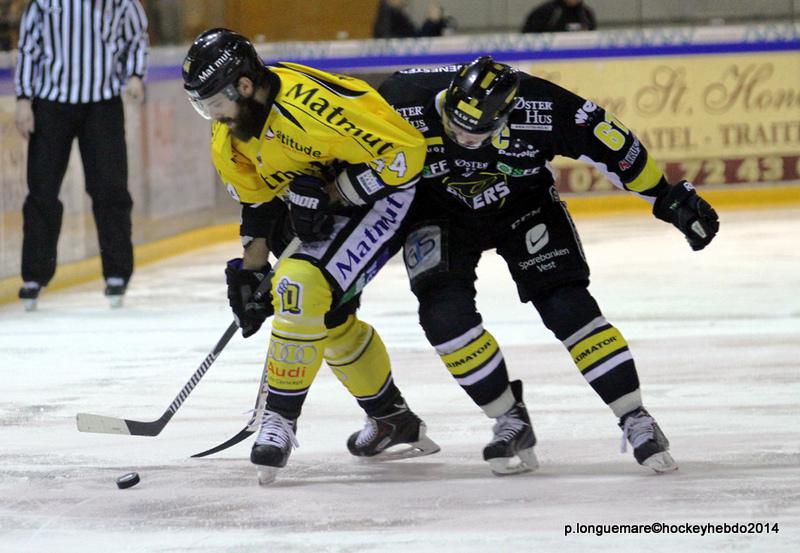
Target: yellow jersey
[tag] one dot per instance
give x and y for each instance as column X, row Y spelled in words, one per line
column 316, row 119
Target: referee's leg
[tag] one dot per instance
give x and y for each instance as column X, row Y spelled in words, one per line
column 48, row 157
column 102, row 143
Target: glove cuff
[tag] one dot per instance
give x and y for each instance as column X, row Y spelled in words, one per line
column 261, row 273
column 359, row 185
column 236, row 274
column 668, row 202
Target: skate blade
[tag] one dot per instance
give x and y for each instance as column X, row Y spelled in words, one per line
column 115, row 301
column 661, row 462
column 29, row 304
column 424, row 446
column 267, row 475
column 525, row 461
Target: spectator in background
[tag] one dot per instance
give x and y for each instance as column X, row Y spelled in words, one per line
column 165, row 21
column 74, row 60
column 557, row 16
column 9, row 20
column 392, row 21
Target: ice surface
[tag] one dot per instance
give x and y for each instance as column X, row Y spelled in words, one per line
column 716, row 336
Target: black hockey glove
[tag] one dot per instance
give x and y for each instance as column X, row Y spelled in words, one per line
column 308, row 209
column 690, row 213
column 249, row 312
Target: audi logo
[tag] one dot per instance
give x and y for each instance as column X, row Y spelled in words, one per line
column 293, row 354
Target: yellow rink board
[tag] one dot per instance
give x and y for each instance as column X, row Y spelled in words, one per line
column 81, row 272
column 87, row 270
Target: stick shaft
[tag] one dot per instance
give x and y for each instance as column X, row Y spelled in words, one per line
column 112, row 425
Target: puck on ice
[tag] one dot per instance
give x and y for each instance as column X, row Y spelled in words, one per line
column 128, row 480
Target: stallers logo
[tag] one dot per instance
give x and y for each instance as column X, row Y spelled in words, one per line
column 292, row 354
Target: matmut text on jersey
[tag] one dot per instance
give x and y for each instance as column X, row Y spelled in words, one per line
column 317, row 119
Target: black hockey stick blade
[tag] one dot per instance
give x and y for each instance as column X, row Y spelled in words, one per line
column 242, row 435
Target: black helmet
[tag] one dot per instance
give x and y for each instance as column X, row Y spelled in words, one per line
column 481, row 96
column 216, row 59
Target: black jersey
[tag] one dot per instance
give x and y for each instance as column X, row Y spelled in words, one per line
column 546, row 121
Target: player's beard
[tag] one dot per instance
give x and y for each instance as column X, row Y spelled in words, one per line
column 250, row 120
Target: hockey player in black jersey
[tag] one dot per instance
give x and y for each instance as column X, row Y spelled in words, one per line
column 487, row 183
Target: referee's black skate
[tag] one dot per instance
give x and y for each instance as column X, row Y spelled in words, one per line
column 115, row 291
column 650, row 445
column 273, row 445
column 511, row 449
column 29, row 294
column 380, row 435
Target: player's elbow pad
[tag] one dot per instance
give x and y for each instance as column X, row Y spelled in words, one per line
column 360, row 185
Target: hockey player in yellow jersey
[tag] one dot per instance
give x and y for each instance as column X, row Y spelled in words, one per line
column 285, row 139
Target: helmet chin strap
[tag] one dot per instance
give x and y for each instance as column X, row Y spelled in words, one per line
column 453, row 130
column 438, row 102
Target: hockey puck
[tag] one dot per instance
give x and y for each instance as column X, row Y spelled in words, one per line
column 128, row 480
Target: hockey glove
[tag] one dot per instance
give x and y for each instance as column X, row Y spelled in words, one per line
column 308, row 209
column 690, row 213
column 249, row 312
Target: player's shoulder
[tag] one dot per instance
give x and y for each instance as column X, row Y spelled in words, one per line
column 313, row 101
column 301, row 82
column 537, row 96
column 416, row 85
column 426, row 73
column 531, row 84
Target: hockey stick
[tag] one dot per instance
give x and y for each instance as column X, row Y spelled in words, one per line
column 248, row 430
column 111, row 425
column 255, row 421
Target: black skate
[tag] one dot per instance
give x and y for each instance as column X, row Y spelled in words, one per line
column 513, row 437
column 649, row 443
column 401, row 428
column 273, row 445
column 29, row 294
column 115, row 291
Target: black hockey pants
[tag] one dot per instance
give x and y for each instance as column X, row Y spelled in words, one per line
column 100, row 130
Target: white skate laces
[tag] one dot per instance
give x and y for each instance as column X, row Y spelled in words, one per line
column 276, row 430
column 399, row 435
column 511, row 449
column 370, row 430
column 649, row 443
column 368, row 433
column 507, row 427
column 638, row 428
